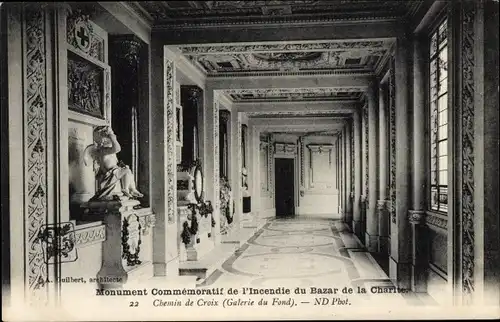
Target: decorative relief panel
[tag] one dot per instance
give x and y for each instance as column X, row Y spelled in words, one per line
column 35, row 147
column 392, row 142
column 147, row 221
column 362, row 59
column 353, row 156
column 169, row 83
column 286, row 47
column 88, row 236
column 302, row 161
column 437, row 220
column 321, row 168
column 270, row 165
column 216, row 155
column 89, row 86
column 365, row 138
column 185, row 14
column 81, row 33
column 285, row 148
column 466, row 74
column 296, row 94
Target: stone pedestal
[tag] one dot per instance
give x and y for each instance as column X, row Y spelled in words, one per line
column 121, row 258
column 200, row 243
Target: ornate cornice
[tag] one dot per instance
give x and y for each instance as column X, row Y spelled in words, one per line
column 346, row 72
column 269, row 22
column 305, row 46
column 325, row 91
column 293, row 113
column 287, row 148
column 320, row 147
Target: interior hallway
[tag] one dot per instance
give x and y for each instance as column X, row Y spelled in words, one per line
column 307, row 252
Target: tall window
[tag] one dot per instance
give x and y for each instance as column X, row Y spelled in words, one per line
column 439, row 118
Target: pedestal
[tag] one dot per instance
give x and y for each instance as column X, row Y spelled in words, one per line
column 121, row 249
column 194, row 246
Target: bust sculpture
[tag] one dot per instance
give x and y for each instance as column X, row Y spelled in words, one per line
column 114, row 178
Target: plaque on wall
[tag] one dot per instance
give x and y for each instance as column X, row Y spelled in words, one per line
column 84, row 35
column 88, row 86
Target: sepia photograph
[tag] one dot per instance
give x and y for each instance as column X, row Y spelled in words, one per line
column 250, row 160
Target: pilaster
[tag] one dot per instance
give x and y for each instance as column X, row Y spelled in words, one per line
column 164, row 163
column 400, row 263
column 236, row 165
column 211, row 158
column 372, row 231
column 383, row 182
column 418, row 166
column 356, row 222
column 348, row 163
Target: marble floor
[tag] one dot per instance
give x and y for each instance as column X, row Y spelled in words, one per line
column 306, row 253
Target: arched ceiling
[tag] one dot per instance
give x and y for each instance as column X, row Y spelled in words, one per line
column 204, row 34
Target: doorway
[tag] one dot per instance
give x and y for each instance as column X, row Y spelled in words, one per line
column 284, row 187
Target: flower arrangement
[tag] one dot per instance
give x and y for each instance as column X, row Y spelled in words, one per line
column 225, row 198
column 203, row 209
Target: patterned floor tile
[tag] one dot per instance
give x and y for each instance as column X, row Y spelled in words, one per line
column 304, row 253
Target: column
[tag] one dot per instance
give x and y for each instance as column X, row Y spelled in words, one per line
column 400, row 261
column 163, row 165
column 417, row 212
column 235, row 167
column 383, row 184
column 211, row 159
column 341, row 173
column 371, row 234
column 488, row 149
column 356, row 221
column 255, row 172
column 364, row 168
column 347, row 198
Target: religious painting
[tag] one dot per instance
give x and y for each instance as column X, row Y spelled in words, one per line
column 87, row 86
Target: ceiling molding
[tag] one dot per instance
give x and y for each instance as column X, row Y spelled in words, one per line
column 225, row 100
column 327, row 106
column 297, row 114
column 269, row 33
column 286, row 46
column 320, row 81
column 295, row 94
column 173, row 14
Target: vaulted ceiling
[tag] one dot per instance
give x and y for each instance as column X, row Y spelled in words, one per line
column 298, row 56
column 325, row 57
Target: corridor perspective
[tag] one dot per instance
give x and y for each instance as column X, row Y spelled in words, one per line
column 161, row 158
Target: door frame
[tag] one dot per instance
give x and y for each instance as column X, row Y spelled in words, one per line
column 295, row 179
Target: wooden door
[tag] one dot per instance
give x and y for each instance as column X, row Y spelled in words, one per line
column 284, row 188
